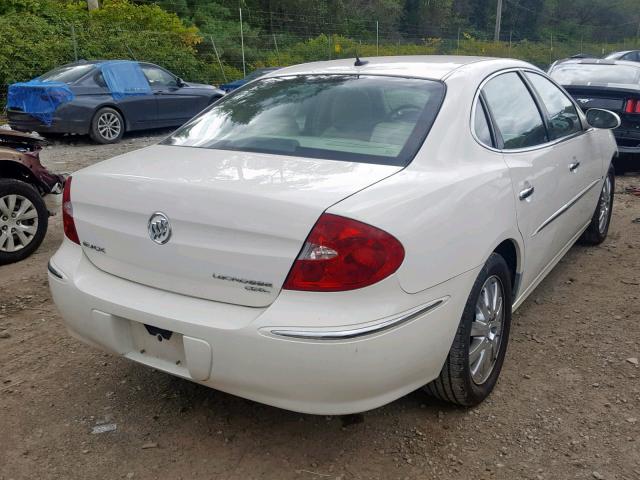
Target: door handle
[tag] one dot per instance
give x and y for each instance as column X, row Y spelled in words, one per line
column 574, row 166
column 526, row 193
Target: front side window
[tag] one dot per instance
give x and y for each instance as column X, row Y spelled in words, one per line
column 371, row 119
column 158, row 77
column 563, row 117
column 515, row 113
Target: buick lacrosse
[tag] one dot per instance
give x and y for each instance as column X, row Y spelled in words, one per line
column 335, row 235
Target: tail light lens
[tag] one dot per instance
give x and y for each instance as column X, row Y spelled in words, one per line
column 67, row 213
column 344, row 254
column 632, row 106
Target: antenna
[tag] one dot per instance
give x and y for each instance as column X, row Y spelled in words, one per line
column 358, row 62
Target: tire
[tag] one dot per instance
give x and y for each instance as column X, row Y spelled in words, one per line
column 31, row 219
column 107, row 126
column 598, row 229
column 462, row 381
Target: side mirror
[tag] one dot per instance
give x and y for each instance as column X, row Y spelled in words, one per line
column 605, row 119
column 180, row 82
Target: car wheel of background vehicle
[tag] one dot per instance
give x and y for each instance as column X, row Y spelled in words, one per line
column 473, row 365
column 107, row 126
column 597, row 230
column 23, row 220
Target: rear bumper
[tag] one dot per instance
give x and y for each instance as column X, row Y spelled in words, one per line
column 60, row 124
column 628, row 140
column 242, row 351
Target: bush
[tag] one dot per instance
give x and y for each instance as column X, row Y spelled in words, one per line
column 37, row 36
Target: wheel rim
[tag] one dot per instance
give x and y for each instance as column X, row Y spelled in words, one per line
column 486, row 330
column 605, row 205
column 109, row 125
column 18, row 223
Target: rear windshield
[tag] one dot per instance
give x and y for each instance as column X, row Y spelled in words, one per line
column 586, row 74
column 370, row 119
column 67, row 74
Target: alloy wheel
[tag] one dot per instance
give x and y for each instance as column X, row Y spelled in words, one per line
column 18, row 223
column 486, row 330
column 109, row 126
column 605, row 205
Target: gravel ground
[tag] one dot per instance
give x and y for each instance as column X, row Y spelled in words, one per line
column 567, row 405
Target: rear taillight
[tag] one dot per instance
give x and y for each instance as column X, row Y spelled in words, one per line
column 67, row 213
column 344, row 254
column 632, row 106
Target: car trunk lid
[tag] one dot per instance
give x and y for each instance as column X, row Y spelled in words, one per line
column 613, row 99
column 238, row 219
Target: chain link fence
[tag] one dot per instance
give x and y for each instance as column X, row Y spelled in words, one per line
column 219, row 58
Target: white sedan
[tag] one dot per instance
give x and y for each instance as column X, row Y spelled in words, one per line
column 335, row 235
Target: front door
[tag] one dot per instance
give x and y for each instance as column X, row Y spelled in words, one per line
column 578, row 156
column 175, row 105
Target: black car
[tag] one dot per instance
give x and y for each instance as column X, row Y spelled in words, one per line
column 629, row 55
column 609, row 84
column 105, row 99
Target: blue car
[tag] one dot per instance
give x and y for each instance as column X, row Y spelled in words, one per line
column 105, row 99
column 229, row 87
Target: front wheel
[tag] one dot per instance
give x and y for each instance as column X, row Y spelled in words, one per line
column 474, row 362
column 23, row 220
column 598, row 229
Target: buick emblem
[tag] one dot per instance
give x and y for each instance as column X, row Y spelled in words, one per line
column 584, row 101
column 159, row 228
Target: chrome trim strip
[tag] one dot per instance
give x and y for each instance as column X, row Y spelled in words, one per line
column 392, row 322
column 54, row 272
column 566, row 207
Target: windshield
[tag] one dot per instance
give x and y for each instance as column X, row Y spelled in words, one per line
column 67, row 74
column 587, row 74
column 371, row 119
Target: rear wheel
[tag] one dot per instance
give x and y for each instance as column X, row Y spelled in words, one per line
column 107, row 126
column 598, row 229
column 23, row 220
column 474, row 362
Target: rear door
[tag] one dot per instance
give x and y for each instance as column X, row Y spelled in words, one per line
column 140, row 111
column 535, row 170
column 576, row 147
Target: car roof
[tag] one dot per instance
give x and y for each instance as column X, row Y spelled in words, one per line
column 434, row 67
column 80, row 63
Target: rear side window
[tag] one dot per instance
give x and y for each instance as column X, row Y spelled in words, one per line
column 515, row 113
column 356, row 118
column 481, row 126
column 563, row 117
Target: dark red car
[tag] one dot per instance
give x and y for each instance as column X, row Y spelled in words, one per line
column 24, row 182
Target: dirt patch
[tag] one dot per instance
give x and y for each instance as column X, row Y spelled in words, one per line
column 567, row 404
